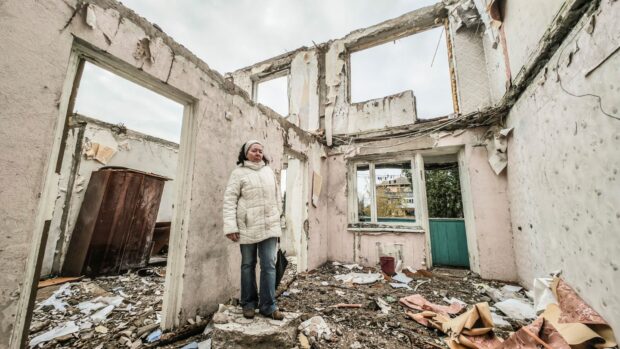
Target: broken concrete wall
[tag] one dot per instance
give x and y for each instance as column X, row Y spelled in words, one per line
column 130, row 149
column 375, row 114
column 484, row 197
column 302, row 68
column 472, row 81
column 564, row 164
column 320, row 90
column 219, row 118
column 304, row 90
column 342, row 116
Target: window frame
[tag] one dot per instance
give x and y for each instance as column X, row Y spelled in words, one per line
column 351, row 49
column 355, row 224
column 260, row 78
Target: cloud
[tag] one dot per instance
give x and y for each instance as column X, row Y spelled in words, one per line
column 105, row 96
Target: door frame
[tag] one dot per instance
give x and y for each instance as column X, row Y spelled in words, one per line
column 454, row 154
column 82, row 52
column 300, row 243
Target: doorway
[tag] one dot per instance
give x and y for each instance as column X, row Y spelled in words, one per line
column 295, row 197
column 74, row 150
column 448, row 236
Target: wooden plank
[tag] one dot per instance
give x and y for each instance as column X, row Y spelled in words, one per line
column 58, row 281
column 85, row 225
column 140, row 234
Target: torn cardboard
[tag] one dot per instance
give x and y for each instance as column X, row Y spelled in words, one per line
column 99, row 152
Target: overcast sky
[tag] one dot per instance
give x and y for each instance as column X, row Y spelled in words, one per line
column 231, row 34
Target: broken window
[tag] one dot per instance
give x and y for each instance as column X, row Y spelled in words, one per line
column 274, row 94
column 418, row 62
column 385, row 192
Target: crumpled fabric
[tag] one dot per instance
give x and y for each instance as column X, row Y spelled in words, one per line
column 472, row 329
column 575, row 320
column 418, row 302
column 530, row 337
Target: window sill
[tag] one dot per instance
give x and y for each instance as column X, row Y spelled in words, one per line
column 387, row 228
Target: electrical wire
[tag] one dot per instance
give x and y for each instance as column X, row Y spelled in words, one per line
column 557, row 69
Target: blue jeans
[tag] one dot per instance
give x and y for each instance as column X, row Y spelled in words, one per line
column 266, row 300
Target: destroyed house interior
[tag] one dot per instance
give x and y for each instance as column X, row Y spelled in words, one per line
column 475, row 209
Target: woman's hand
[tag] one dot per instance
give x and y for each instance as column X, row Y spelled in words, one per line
column 233, row 236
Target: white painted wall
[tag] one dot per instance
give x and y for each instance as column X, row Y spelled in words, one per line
column 472, row 82
column 525, row 22
column 564, row 167
column 304, row 90
column 134, row 150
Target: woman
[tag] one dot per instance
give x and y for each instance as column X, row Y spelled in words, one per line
column 252, row 218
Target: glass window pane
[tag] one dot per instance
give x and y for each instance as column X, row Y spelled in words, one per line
column 395, row 202
column 363, row 193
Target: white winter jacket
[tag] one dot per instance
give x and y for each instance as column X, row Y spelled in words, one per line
column 252, row 204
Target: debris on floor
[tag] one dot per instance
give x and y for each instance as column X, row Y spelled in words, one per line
column 329, row 307
column 381, row 321
column 442, row 308
column 104, row 313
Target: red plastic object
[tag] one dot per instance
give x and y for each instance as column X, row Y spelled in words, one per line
column 387, row 265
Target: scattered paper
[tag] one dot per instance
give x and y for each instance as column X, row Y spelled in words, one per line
column 68, row 328
column 383, row 305
column 516, row 309
column 402, row 278
column 360, row 278
column 543, row 295
column 154, row 336
column 399, row 285
column 315, row 327
column 102, row 314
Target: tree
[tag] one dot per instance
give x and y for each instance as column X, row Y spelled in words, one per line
column 443, row 192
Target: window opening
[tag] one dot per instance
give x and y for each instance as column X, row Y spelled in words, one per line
column 274, row 94
column 406, row 64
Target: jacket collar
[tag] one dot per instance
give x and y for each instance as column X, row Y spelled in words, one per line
column 254, row 165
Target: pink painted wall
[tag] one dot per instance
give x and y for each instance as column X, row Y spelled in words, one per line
column 340, row 240
column 491, row 253
column 491, row 217
column 413, row 247
column 318, row 235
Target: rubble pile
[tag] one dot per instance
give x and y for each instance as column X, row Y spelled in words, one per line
column 106, row 312
column 353, row 307
column 232, row 331
column 334, row 306
column 362, row 310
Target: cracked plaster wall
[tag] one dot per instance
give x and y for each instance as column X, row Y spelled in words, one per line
column 302, row 69
column 342, row 117
column 521, row 44
column 346, row 117
column 34, row 66
column 564, row 166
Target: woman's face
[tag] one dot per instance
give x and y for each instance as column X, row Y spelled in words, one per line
column 255, row 153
